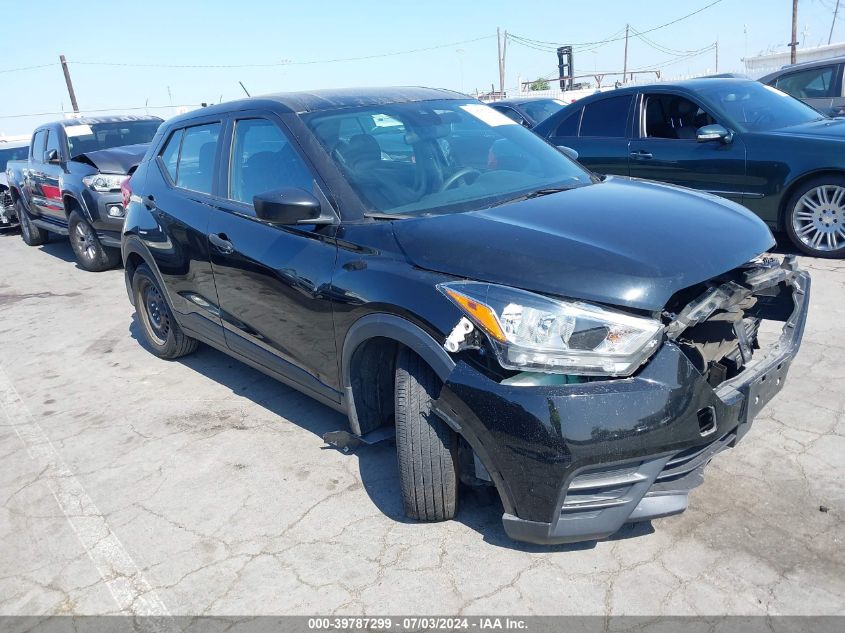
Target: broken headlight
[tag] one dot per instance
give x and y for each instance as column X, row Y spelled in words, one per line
column 530, row 331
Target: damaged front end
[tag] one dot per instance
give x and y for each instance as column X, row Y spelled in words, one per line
column 576, row 457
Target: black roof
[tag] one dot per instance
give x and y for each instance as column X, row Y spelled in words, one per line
column 523, row 100
column 316, row 100
column 117, row 118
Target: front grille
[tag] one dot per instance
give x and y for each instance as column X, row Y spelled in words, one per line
column 684, row 470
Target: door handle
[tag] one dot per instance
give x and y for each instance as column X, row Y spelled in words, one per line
column 150, row 202
column 221, row 243
column 642, row 155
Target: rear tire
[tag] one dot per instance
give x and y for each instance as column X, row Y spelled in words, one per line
column 427, row 448
column 30, row 234
column 161, row 331
column 89, row 251
column 814, row 217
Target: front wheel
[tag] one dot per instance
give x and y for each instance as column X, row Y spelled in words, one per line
column 89, row 251
column 30, row 234
column 815, row 217
column 427, row 448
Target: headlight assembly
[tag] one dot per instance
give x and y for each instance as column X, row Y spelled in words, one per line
column 533, row 332
column 104, row 182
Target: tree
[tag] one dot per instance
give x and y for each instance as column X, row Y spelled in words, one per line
column 539, row 84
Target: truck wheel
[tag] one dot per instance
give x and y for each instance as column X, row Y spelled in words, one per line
column 161, row 331
column 90, row 253
column 427, row 448
column 815, row 217
column 31, row 234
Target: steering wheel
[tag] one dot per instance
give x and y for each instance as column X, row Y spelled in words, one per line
column 461, row 173
column 765, row 116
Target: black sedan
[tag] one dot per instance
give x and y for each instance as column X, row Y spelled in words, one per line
column 735, row 138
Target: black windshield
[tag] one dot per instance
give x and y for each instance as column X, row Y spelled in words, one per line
column 12, row 153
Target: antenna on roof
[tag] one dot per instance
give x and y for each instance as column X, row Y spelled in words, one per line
column 245, row 90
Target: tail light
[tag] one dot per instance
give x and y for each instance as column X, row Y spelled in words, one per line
column 126, row 191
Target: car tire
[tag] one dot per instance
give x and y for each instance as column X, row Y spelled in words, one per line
column 814, row 217
column 162, row 333
column 426, row 447
column 89, row 251
column 30, row 234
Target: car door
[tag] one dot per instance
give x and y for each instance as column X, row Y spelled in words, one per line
column 599, row 131
column 182, row 185
column 49, row 175
column 273, row 280
column 32, row 179
column 665, row 147
column 820, row 87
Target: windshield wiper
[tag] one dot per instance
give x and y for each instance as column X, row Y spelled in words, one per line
column 387, row 216
column 537, row 193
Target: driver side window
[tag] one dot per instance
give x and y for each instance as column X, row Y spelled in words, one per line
column 263, row 160
column 672, row 117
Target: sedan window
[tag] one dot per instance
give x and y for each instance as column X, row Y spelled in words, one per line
column 606, row 117
column 754, row 107
column 815, row 83
column 673, row 116
column 263, row 160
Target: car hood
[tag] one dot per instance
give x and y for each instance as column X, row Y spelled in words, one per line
column 115, row 160
column 828, row 129
column 622, row 242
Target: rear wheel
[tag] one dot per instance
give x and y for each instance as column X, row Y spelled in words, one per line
column 427, row 448
column 30, row 234
column 161, row 331
column 89, row 251
column 815, row 217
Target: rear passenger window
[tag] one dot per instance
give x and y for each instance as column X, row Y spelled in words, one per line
column 606, row 118
column 569, row 125
column 195, row 170
column 170, row 154
column 263, row 160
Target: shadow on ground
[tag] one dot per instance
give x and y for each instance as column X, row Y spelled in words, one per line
column 481, row 509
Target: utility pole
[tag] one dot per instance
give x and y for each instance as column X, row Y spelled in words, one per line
column 835, row 11
column 794, row 44
column 502, row 44
column 69, row 83
column 625, row 62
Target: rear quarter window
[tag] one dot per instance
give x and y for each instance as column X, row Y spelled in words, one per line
column 170, row 154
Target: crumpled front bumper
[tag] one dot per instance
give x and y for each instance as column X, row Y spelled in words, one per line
column 576, row 462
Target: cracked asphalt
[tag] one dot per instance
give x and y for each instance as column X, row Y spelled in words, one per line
column 135, row 485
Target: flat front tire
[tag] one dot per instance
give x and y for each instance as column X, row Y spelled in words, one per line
column 161, row 332
column 89, row 251
column 30, row 234
column 427, row 448
column 815, row 217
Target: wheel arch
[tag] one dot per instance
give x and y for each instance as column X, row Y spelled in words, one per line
column 369, row 338
column 796, row 184
column 134, row 254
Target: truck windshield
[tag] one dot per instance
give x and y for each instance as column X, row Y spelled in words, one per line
column 444, row 156
column 12, row 153
column 91, row 137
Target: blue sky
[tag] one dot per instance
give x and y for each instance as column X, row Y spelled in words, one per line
column 159, row 32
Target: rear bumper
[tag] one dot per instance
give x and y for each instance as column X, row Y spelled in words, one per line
column 576, row 462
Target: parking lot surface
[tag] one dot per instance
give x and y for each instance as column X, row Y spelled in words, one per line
column 131, row 484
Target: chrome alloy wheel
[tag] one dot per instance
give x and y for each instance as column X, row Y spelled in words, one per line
column 85, row 241
column 818, row 218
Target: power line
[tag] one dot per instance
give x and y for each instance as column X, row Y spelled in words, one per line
column 285, row 62
column 84, row 112
column 617, row 39
column 15, row 70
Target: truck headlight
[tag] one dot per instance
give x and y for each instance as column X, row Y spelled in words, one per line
column 533, row 332
column 104, row 182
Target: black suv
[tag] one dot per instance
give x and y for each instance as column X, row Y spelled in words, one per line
column 414, row 258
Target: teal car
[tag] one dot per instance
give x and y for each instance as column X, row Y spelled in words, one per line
column 735, row 138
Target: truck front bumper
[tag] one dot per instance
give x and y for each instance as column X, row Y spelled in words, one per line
column 576, row 462
column 101, row 208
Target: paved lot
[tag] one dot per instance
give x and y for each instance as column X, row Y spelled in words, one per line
column 131, row 484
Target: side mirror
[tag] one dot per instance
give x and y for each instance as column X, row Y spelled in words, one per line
column 52, row 156
column 714, row 132
column 568, row 151
column 287, row 206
